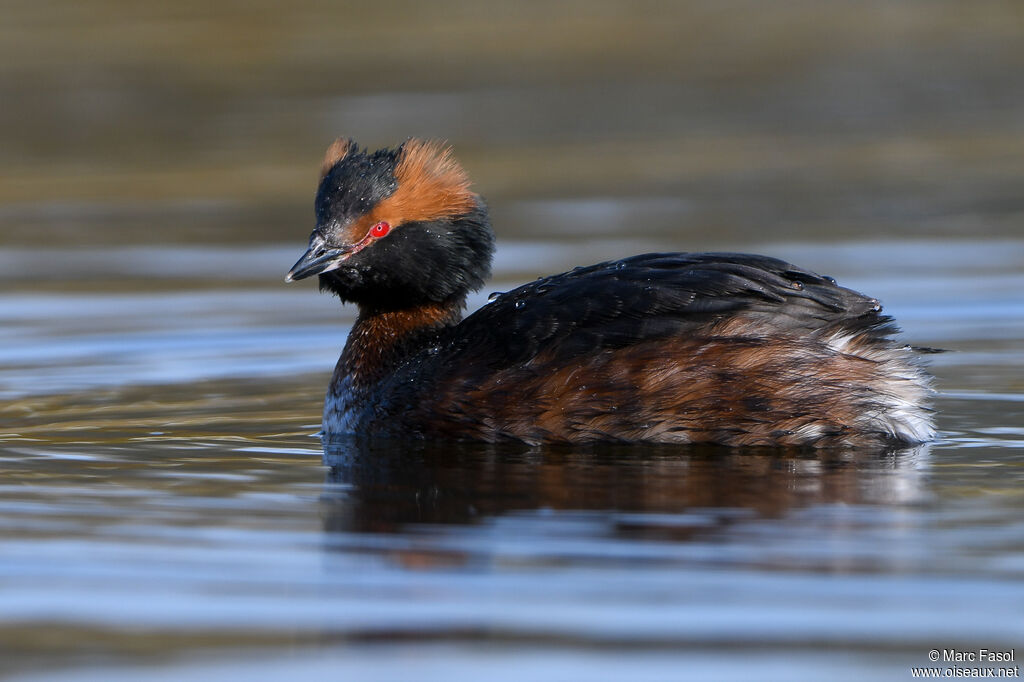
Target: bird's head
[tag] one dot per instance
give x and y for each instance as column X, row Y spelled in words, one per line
column 396, row 228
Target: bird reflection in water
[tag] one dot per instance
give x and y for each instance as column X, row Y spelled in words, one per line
column 666, row 493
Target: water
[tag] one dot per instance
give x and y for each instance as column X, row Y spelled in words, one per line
column 167, row 512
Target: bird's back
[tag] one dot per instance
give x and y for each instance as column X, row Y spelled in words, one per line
column 725, row 348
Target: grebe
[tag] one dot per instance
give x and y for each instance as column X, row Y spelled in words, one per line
column 725, row 348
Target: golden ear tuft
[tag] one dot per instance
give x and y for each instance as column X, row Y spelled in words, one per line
column 338, row 150
column 431, row 183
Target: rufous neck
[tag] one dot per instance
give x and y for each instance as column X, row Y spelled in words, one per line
column 382, row 338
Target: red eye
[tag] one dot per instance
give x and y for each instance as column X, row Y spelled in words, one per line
column 379, row 230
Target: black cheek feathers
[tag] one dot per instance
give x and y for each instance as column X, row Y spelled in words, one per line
column 341, row 282
column 437, row 261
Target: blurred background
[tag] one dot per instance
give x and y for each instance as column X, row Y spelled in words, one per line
column 160, row 384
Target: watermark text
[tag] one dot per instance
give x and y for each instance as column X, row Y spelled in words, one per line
column 970, row 663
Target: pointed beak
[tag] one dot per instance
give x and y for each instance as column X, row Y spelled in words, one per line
column 317, row 260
